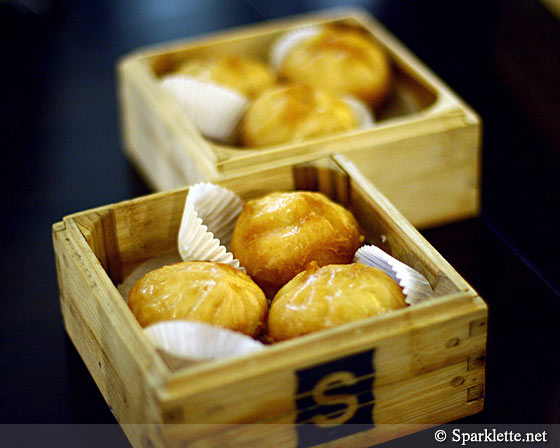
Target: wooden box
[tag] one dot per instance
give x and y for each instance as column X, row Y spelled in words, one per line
column 423, row 154
column 354, row 385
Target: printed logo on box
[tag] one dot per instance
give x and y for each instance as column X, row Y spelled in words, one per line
column 335, row 399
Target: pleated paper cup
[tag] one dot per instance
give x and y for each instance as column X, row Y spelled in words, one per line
column 148, row 266
column 364, row 115
column 182, row 342
column 415, row 286
column 216, row 110
column 207, row 224
column 291, row 39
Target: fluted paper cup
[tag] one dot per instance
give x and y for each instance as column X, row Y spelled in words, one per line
column 285, row 43
column 184, row 342
column 216, row 110
column 208, row 221
column 415, row 286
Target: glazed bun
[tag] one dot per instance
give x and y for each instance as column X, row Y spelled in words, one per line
column 278, row 235
column 245, row 75
column 214, row 293
column 320, row 298
column 293, row 113
column 342, row 59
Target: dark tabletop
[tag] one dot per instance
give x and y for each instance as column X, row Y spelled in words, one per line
column 62, row 153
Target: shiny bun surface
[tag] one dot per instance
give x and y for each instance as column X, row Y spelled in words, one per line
column 209, row 292
column 294, row 113
column 340, row 59
column 278, row 235
column 320, row 298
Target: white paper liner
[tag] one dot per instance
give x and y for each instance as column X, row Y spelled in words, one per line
column 415, row 286
column 364, row 116
column 283, row 45
column 214, row 109
column 210, row 212
column 148, row 266
column 182, row 342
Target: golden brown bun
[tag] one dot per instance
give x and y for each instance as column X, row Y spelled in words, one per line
column 278, row 235
column 244, row 75
column 341, row 59
column 294, row 113
column 319, row 298
column 214, row 293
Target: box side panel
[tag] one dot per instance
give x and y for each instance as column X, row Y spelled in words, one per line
column 423, row 370
column 435, row 398
column 447, row 404
column 98, row 230
column 443, row 116
column 161, row 151
column 432, row 178
column 147, row 227
column 122, row 367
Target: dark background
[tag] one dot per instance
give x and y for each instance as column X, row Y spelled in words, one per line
column 61, row 153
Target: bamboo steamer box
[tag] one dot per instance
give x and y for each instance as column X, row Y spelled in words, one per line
column 357, row 384
column 423, row 153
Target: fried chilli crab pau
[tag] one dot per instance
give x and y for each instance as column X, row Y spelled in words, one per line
column 320, row 298
column 245, row 75
column 278, row 235
column 342, row 59
column 294, row 113
column 214, row 293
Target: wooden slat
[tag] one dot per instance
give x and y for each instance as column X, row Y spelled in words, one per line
column 441, row 186
column 124, row 365
column 398, row 409
column 407, row 343
column 241, row 162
